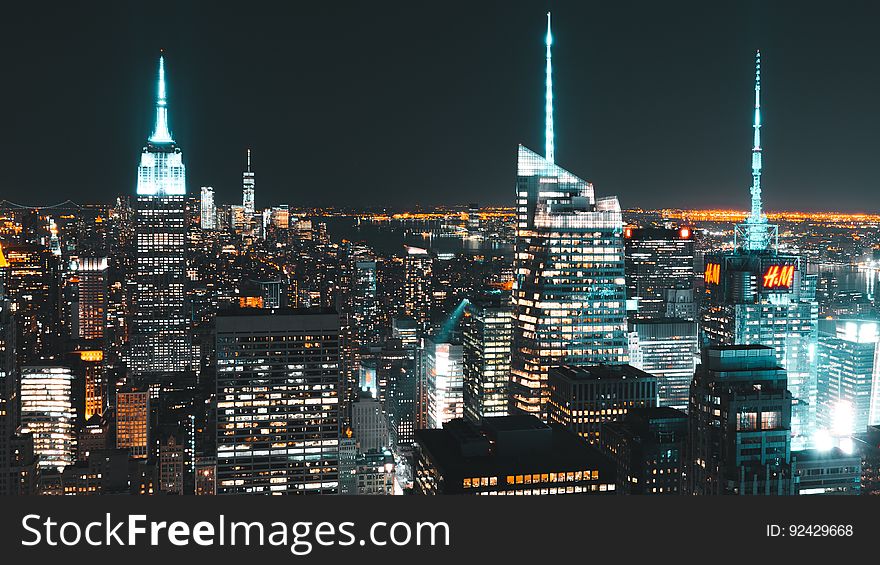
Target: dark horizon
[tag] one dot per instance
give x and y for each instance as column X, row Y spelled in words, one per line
column 397, row 104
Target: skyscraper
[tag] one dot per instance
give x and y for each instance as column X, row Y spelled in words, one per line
column 657, row 260
column 666, row 348
column 160, row 329
column 740, row 424
column 208, row 210
column 756, row 295
column 486, row 339
column 278, row 402
column 848, row 383
column 417, row 286
column 247, row 190
column 47, row 414
column 442, row 382
column 133, row 422
column 90, row 317
column 569, row 295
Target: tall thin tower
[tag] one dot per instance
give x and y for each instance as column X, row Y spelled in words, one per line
column 160, row 328
column 247, row 182
column 756, row 234
column 549, row 152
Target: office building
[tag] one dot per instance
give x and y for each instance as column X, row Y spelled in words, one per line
column 584, row 398
column 648, row 447
column 827, row 472
column 848, row 383
column 369, row 423
column 509, row 455
column 133, row 422
column 739, row 431
column 208, row 209
column 375, row 473
column 486, row 337
column 569, row 295
column 666, row 348
column 442, row 382
column 278, row 410
column 657, row 260
column 247, row 190
column 47, row 414
column 757, row 295
column 160, row 344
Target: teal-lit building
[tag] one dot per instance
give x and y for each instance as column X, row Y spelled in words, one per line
column 756, row 295
column 160, row 343
column 569, row 294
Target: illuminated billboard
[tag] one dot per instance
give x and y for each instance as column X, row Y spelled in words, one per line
column 778, row 277
column 712, row 275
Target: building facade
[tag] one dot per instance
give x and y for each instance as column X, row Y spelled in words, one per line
column 278, row 402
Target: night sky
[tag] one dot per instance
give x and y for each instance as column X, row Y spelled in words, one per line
column 400, row 103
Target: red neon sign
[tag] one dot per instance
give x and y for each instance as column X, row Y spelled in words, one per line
column 779, row 276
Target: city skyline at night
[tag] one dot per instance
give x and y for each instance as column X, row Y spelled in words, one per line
column 181, row 338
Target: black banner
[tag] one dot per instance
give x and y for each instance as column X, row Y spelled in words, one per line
column 234, row 529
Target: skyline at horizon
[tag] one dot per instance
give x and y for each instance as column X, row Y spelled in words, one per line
column 187, row 108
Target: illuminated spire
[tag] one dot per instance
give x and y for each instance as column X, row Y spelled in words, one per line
column 757, row 232
column 548, row 126
column 161, row 134
column 249, row 160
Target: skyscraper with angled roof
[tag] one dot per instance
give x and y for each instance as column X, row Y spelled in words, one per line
column 568, row 290
column 160, row 329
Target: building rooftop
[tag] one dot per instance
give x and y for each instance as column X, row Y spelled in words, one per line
column 600, row 372
column 497, row 447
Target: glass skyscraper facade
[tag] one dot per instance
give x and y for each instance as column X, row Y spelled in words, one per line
column 666, row 348
column 160, row 328
column 847, row 379
column 443, row 382
column 486, row 336
column 569, row 294
column 48, row 414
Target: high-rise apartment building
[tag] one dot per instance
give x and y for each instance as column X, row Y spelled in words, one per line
column 90, row 317
column 417, row 286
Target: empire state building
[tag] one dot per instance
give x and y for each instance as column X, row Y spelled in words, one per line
column 160, row 344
